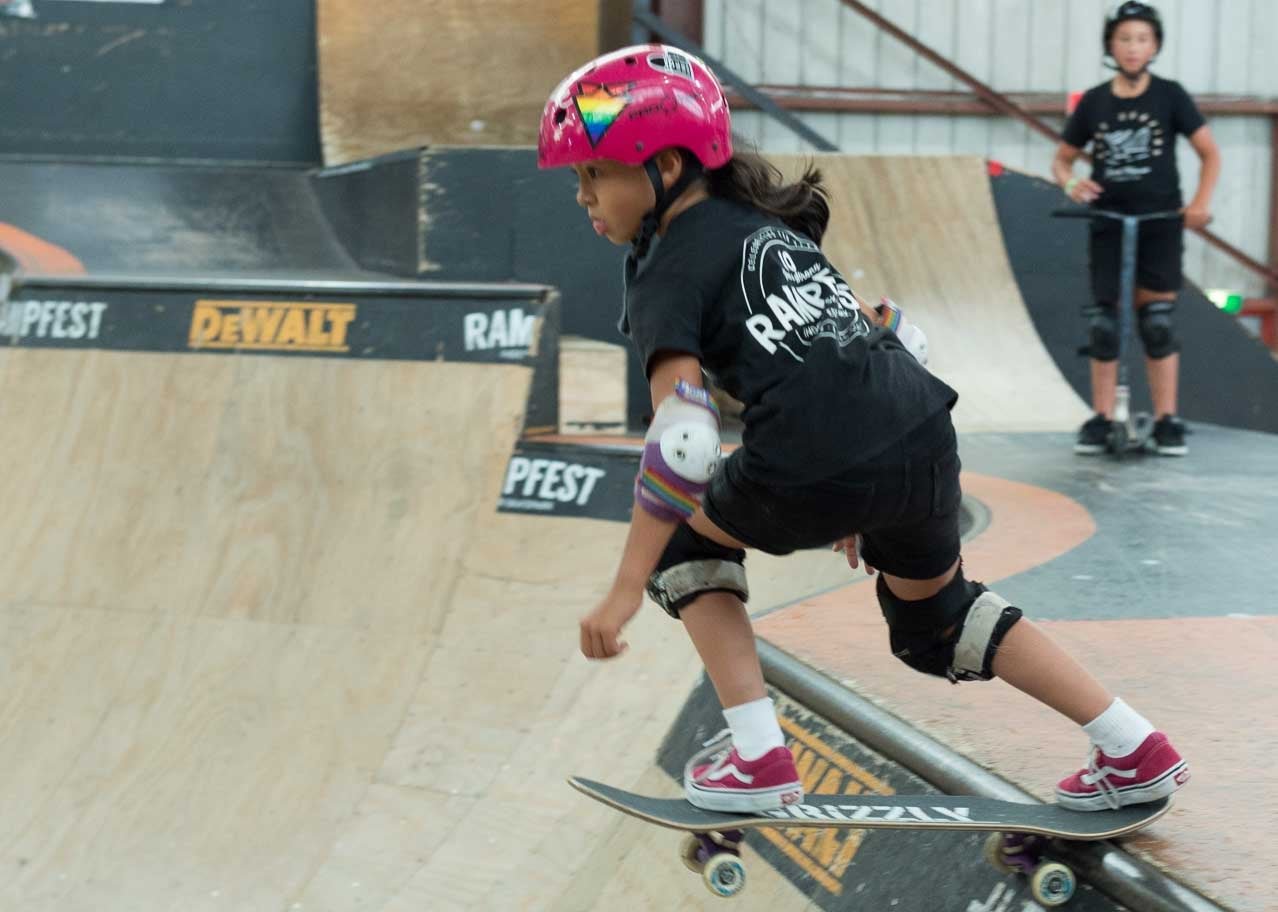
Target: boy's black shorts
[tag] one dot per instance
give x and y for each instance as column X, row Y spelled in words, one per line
column 904, row 502
column 1160, row 248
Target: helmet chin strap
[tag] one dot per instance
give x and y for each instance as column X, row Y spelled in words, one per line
column 1105, row 62
column 1121, row 72
column 1129, row 78
column 665, row 198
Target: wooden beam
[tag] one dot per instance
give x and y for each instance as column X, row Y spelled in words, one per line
column 918, row 101
column 1273, row 202
column 1267, row 310
column 996, row 100
column 1027, row 106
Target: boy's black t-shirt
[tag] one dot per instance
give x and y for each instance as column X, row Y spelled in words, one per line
column 1134, row 143
column 777, row 327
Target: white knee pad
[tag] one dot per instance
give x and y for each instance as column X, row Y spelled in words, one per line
column 987, row 622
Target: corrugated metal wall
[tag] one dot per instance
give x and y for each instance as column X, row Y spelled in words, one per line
column 1212, row 46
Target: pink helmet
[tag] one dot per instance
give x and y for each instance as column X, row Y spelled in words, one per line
column 630, row 104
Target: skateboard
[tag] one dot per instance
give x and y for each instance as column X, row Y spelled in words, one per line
column 1018, row 832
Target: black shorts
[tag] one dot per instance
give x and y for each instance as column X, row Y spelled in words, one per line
column 904, row 502
column 1160, row 247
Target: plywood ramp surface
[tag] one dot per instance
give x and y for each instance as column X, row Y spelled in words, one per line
column 923, row 231
column 219, row 587
column 592, row 386
column 265, row 643
column 395, row 74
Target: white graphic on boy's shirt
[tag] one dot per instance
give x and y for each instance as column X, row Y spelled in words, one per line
column 794, row 295
column 1126, row 151
column 1127, row 145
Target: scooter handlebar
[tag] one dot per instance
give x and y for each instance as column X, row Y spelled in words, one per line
column 1117, row 216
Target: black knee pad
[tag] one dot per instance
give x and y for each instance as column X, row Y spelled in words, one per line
column 954, row 634
column 1157, row 331
column 693, row 565
column 1102, row 332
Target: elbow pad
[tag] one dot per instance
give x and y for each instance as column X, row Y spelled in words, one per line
column 911, row 335
column 680, row 453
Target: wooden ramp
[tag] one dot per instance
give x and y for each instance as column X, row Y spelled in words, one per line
column 482, row 74
column 265, row 643
column 923, row 231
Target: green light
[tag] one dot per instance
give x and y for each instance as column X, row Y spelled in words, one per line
column 1230, row 302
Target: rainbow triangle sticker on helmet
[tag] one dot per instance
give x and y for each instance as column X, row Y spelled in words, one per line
column 599, row 106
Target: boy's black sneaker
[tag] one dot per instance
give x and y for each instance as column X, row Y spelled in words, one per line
column 1169, row 436
column 1093, row 436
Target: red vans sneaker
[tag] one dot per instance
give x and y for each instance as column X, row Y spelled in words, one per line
column 719, row 779
column 1154, row 770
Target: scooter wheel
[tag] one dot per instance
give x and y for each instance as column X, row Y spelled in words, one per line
column 1118, row 439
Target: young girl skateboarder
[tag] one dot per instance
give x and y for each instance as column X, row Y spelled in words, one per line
column 1132, row 122
column 847, row 437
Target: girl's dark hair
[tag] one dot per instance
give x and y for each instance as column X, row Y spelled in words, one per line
column 751, row 179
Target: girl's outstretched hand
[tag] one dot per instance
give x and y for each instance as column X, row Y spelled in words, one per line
column 851, row 548
column 601, row 628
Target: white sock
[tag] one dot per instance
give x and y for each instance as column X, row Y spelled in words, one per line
column 755, row 729
column 1119, row 730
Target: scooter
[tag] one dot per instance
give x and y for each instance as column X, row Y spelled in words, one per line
column 1129, row 432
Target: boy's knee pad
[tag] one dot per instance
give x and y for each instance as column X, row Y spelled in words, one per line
column 954, row 634
column 1157, row 331
column 1102, row 332
column 693, row 565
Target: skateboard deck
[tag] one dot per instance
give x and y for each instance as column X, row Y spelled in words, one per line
column 912, row 812
column 1016, row 844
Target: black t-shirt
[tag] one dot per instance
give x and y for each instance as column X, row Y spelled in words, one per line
column 777, row 327
column 1134, row 143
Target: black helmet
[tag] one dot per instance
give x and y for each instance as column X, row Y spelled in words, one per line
column 1132, row 10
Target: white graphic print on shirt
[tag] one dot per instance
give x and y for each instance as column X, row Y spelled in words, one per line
column 1127, row 150
column 794, row 295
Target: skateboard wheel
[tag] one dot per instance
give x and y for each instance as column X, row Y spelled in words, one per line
column 690, row 852
column 994, row 854
column 724, row 875
column 1052, row 884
